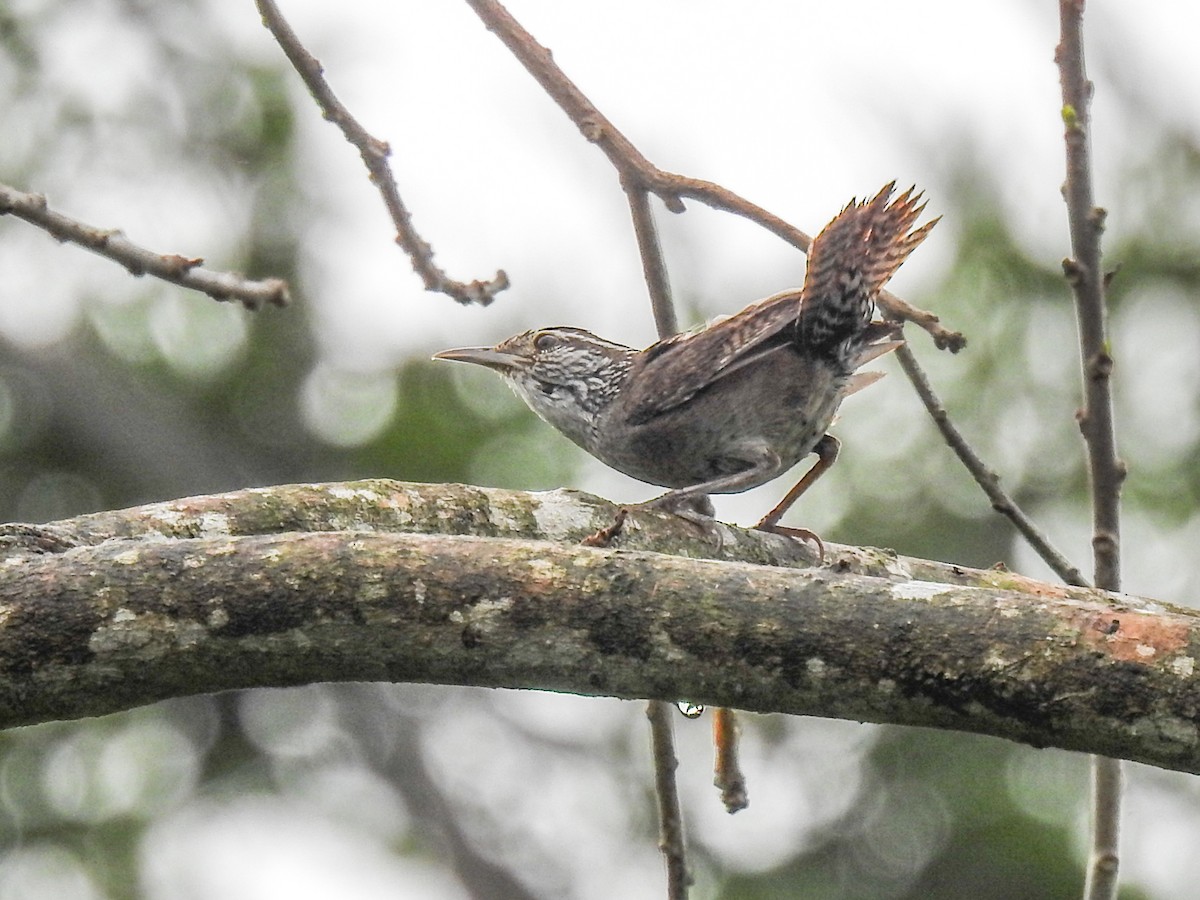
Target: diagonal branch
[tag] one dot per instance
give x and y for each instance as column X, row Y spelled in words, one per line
column 112, row 244
column 375, row 154
column 988, row 480
column 636, row 170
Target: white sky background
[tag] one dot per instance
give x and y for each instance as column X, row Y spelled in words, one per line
column 790, row 105
column 795, row 105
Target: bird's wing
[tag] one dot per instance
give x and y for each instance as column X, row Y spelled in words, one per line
column 672, row 371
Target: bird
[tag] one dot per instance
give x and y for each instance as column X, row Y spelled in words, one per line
column 735, row 403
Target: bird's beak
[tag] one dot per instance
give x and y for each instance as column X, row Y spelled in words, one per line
column 484, row 356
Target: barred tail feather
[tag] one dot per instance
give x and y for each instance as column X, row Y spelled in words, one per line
column 849, row 262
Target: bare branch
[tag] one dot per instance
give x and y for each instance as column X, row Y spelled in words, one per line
column 375, row 155
column 654, row 267
column 636, row 170
column 662, row 736
column 1085, row 274
column 112, row 244
column 988, row 480
column 903, row 311
column 1104, row 861
column 670, row 818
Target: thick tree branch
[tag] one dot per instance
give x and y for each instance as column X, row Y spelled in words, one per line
column 135, row 612
column 112, row 244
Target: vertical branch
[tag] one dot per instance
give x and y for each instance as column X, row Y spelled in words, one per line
column 662, row 730
column 653, row 266
column 1103, row 872
column 1083, row 272
column 670, row 820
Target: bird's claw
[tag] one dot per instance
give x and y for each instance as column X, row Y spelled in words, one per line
column 800, row 534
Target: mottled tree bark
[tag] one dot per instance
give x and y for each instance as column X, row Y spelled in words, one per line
column 383, row 581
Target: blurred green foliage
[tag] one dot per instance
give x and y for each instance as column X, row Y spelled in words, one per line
column 116, row 414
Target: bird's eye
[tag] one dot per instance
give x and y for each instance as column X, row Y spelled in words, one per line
column 545, row 341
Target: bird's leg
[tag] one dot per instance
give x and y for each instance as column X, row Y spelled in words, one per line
column 827, row 453
column 761, row 462
column 692, row 503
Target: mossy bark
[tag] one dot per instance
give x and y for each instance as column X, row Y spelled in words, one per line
column 383, row 581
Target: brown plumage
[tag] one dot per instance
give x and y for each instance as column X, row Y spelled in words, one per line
column 851, row 260
column 734, row 404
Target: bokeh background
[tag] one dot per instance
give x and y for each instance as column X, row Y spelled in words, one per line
column 181, row 124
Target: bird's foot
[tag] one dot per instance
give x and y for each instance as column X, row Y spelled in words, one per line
column 697, row 510
column 800, row 534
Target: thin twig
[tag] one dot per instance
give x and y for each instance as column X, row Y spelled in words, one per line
column 635, row 169
column 112, row 244
column 1104, row 863
column 988, row 480
column 662, row 735
column 670, row 820
column 375, row 155
column 654, row 267
column 1083, row 271
column 729, row 779
column 1086, row 277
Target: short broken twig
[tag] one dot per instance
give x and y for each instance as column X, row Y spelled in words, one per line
column 727, row 771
